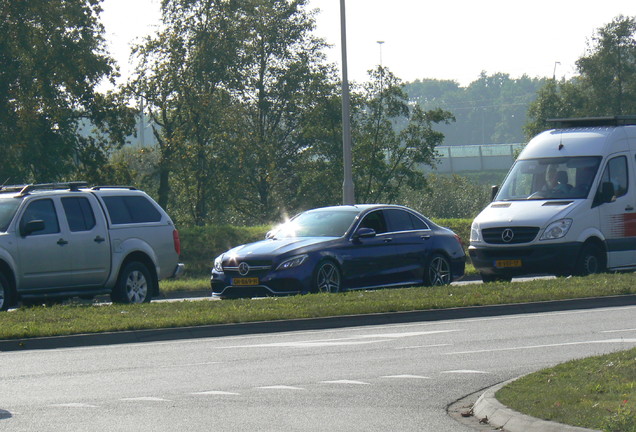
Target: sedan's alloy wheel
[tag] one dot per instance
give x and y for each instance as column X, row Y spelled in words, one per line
column 439, row 271
column 328, row 278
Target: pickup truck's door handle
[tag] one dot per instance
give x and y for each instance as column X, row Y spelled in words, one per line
column 99, row 239
column 62, row 242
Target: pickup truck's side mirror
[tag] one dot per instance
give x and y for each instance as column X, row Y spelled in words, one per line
column 31, row 227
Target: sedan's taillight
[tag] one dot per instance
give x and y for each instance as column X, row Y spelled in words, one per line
column 177, row 242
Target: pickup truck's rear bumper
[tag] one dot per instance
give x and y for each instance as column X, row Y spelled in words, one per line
column 178, row 271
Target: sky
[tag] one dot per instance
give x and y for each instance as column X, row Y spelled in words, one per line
column 451, row 39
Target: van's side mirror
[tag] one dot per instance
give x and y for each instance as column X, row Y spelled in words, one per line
column 31, row 227
column 494, row 189
column 604, row 194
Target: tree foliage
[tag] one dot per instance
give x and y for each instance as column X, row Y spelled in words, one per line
column 52, row 58
column 605, row 84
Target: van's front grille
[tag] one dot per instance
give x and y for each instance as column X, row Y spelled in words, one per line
column 509, row 235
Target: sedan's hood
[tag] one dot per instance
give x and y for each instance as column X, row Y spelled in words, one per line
column 271, row 247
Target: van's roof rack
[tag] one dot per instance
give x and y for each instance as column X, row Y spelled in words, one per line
column 619, row 120
column 27, row 188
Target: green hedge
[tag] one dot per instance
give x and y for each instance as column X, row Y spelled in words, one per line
column 200, row 245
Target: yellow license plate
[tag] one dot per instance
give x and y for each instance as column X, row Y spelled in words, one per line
column 507, row 263
column 250, row 281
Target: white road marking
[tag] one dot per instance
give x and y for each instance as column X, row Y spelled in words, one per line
column 619, row 331
column 422, row 346
column 346, row 382
column 464, row 371
column 608, row 341
column 280, row 387
column 145, row 399
column 216, row 392
column 406, row 376
column 74, row 405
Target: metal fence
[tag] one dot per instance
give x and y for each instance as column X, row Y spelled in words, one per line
column 455, row 159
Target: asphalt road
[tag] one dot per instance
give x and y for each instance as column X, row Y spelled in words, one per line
column 369, row 378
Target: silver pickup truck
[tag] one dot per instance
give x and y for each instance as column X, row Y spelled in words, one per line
column 64, row 240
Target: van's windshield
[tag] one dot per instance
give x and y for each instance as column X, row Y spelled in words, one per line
column 550, row 178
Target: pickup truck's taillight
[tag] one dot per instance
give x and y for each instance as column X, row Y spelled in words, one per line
column 177, row 242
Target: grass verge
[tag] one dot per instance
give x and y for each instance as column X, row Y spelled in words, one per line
column 596, row 393
column 74, row 319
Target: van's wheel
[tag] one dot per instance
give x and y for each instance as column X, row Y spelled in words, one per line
column 438, row 271
column 590, row 261
column 6, row 293
column 133, row 285
column 327, row 278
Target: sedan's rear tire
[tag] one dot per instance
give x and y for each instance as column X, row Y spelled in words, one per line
column 327, row 278
column 438, row 271
column 133, row 285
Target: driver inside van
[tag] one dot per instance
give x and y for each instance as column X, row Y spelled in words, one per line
column 556, row 182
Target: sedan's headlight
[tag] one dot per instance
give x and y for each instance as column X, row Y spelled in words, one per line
column 292, row 262
column 557, row 229
column 218, row 264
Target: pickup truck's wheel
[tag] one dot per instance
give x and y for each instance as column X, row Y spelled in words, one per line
column 6, row 298
column 133, row 285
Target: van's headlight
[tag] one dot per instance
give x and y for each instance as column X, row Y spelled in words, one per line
column 218, row 264
column 475, row 233
column 292, row 262
column 557, row 229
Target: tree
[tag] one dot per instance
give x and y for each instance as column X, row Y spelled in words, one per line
column 605, row 85
column 52, row 57
column 385, row 158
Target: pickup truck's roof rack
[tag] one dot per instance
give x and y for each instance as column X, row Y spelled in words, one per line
column 27, row 188
column 113, row 187
column 620, row 120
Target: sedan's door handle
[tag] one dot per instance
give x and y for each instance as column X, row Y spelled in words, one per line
column 99, row 239
column 387, row 240
column 425, row 237
column 62, row 242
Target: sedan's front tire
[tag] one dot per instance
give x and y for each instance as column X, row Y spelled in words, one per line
column 438, row 271
column 327, row 278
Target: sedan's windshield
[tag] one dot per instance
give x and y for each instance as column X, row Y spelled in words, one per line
column 316, row 223
column 550, row 178
column 8, row 207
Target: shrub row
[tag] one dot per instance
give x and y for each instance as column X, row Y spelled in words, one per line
column 200, row 245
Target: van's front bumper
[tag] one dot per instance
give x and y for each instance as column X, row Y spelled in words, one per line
column 558, row 259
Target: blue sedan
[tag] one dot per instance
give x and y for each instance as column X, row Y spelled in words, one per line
column 341, row 248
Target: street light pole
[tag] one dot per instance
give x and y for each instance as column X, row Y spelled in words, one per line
column 347, row 185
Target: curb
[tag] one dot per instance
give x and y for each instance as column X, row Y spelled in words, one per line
column 500, row 416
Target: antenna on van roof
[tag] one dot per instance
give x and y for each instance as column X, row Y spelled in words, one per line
column 621, row 120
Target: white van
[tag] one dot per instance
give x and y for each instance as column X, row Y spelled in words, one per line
column 567, row 206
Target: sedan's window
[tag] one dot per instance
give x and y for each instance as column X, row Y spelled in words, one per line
column 418, row 224
column 375, row 221
column 323, row 223
column 42, row 210
column 399, row 220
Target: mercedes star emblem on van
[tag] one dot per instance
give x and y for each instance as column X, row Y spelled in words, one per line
column 507, row 235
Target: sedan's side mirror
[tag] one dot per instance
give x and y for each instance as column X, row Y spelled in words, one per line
column 364, row 233
column 31, row 227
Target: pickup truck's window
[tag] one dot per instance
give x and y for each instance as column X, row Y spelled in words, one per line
column 79, row 213
column 8, row 207
column 42, row 210
column 131, row 209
